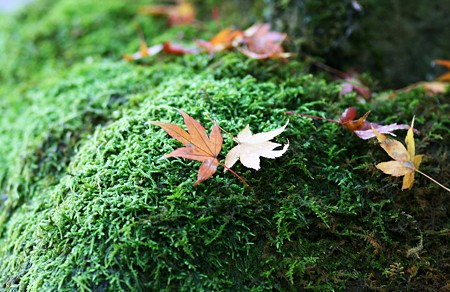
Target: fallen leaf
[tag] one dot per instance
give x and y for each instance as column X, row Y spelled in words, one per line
column 405, row 162
column 366, row 134
column 445, row 76
column 251, row 147
column 347, row 119
column 360, row 127
column 431, row 88
column 352, row 83
column 221, row 41
column 167, row 48
column 177, row 49
column 261, row 43
column 181, row 13
column 144, row 52
column 198, row 146
column 363, row 128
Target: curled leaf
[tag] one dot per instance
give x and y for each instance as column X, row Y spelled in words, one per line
column 261, row 43
column 351, row 82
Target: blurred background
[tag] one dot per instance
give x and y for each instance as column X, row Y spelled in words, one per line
column 394, row 41
column 11, row 5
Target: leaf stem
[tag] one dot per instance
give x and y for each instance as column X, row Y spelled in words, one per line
column 223, row 130
column 336, row 72
column 433, row 180
column 313, row 117
column 233, row 172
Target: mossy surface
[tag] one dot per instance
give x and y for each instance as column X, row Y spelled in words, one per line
column 86, row 203
column 399, row 50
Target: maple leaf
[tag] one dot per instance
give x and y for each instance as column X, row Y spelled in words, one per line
column 221, row 41
column 250, row 147
column 181, row 13
column 348, row 122
column 445, row 76
column 363, row 128
column 405, row 162
column 198, row 146
column 261, row 43
column 360, row 127
column 352, row 83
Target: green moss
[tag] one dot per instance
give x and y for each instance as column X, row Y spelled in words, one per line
column 86, row 203
column 48, row 36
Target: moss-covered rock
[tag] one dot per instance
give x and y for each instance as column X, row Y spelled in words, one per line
column 86, row 203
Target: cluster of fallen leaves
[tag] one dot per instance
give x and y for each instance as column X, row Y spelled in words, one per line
column 200, row 147
column 250, row 147
column 360, row 127
column 257, row 41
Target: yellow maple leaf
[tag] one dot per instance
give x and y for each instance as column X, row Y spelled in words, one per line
column 405, row 162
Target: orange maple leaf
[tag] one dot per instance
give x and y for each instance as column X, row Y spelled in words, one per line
column 405, row 162
column 221, row 41
column 198, row 146
column 445, row 76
